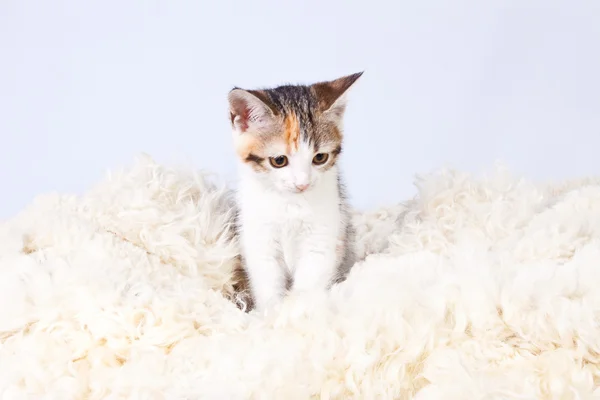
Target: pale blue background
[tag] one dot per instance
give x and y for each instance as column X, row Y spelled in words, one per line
column 87, row 85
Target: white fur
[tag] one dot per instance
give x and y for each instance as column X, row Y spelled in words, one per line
column 285, row 232
column 118, row 294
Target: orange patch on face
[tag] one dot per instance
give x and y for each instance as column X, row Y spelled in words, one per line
column 291, row 133
column 245, row 145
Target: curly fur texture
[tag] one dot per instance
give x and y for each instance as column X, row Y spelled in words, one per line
column 476, row 289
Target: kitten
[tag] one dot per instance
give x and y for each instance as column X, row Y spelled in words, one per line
column 293, row 220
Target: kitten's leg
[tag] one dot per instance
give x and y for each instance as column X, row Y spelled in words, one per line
column 317, row 262
column 267, row 277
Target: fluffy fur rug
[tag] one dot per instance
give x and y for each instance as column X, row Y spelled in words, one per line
column 476, row 289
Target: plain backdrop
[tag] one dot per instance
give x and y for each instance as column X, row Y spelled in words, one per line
column 85, row 86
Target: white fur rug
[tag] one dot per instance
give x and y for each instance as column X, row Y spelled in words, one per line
column 482, row 289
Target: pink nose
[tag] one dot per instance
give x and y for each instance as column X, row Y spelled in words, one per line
column 301, row 188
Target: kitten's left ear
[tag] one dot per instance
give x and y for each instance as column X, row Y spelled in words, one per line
column 250, row 111
column 332, row 94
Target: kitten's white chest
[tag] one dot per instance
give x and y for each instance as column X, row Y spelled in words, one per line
column 294, row 230
column 292, row 221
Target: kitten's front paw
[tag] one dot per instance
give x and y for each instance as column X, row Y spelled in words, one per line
column 315, row 276
column 265, row 305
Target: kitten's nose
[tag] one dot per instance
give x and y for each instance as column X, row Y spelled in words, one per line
column 302, row 188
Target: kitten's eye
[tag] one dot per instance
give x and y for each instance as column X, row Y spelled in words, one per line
column 320, row 158
column 278, row 162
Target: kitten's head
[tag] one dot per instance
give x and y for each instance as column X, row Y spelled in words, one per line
column 290, row 136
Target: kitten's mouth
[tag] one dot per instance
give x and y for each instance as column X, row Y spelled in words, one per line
column 302, row 190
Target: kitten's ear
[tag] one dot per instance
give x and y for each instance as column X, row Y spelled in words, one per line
column 332, row 95
column 249, row 111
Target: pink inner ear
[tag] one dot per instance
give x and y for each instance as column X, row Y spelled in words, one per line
column 244, row 117
column 248, row 112
column 241, row 111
